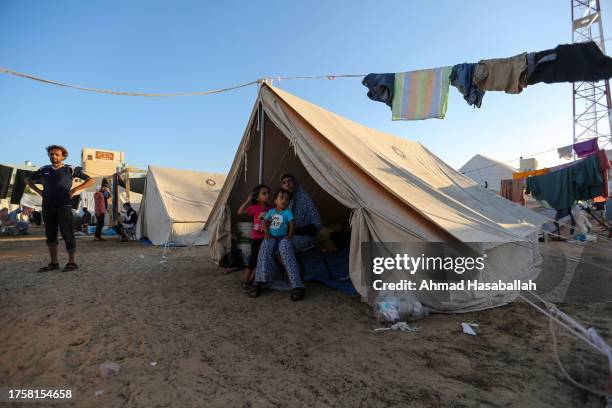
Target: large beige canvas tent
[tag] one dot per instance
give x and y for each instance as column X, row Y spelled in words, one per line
column 391, row 189
column 176, row 204
column 487, row 172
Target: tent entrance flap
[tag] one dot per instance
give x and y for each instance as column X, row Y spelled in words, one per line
column 279, row 157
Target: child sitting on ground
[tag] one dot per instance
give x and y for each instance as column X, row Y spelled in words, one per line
column 255, row 206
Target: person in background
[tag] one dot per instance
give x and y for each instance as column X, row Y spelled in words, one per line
column 100, row 211
column 107, row 193
column 86, row 219
column 22, row 226
column 128, row 222
column 256, row 206
column 57, row 191
column 11, row 219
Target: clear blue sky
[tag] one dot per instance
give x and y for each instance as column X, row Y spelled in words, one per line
column 164, row 46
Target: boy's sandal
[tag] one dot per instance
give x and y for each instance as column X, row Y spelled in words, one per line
column 254, row 291
column 297, row 294
column 50, row 267
column 245, row 286
column 70, row 266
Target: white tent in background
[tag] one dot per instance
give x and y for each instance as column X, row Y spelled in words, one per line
column 487, row 172
column 388, row 188
column 176, row 204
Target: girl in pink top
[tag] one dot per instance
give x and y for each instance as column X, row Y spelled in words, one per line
column 255, row 206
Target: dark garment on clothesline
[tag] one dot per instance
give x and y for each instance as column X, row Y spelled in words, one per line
column 532, row 63
column 5, row 180
column 560, row 189
column 19, row 185
column 461, row 78
column 573, row 63
column 585, row 148
column 381, row 87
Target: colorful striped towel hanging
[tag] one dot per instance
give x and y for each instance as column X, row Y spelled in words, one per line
column 421, row 94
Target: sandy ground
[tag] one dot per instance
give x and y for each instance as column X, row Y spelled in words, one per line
column 216, row 347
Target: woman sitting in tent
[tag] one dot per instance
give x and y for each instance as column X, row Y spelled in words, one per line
column 307, row 224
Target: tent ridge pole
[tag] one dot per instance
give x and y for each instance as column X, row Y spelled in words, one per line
column 261, row 142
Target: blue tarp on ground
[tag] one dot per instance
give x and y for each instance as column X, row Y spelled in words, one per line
column 314, row 270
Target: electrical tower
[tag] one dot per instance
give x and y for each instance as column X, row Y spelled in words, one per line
column 592, row 102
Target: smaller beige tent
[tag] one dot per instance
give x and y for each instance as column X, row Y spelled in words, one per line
column 176, row 204
column 487, row 172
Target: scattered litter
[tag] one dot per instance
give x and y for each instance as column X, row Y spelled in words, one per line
column 153, row 363
column 391, row 310
column 141, row 256
column 99, row 392
column 399, row 326
column 468, row 328
column 163, row 261
column 109, row 368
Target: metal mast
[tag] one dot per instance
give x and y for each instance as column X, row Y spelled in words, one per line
column 592, row 102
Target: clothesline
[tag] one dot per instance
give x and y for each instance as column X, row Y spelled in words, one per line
column 518, row 158
column 172, row 94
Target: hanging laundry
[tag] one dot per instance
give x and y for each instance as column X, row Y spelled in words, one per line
column 381, row 87
column 560, row 189
column 502, row 74
column 569, row 63
column 562, row 166
column 566, row 152
column 5, row 180
column 461, row 78
column 534, row 59
column 587, row 147
column 513, row 190
column 421, row 94
column 19, row 185
column 604, row 168
column 523, row 174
